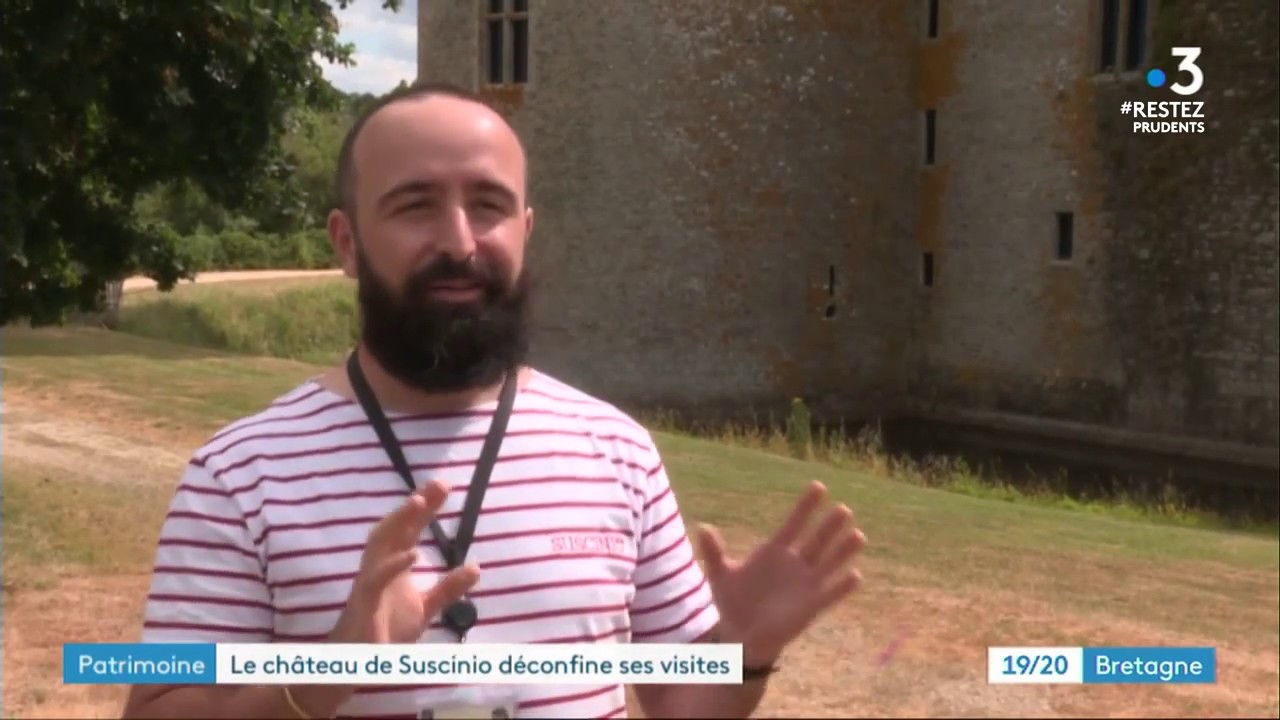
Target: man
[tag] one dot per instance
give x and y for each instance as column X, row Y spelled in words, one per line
column 292, row 525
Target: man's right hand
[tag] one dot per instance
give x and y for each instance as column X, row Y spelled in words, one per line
column 384, row 605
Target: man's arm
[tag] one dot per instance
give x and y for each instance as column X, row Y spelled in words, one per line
column 208, row 586
column 706, row 701
column 673, row 604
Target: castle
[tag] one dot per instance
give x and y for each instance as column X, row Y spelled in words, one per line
column 929, row 208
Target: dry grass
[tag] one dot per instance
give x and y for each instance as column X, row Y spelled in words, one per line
column 313, row 319
column 865, row 452
column 950, row 573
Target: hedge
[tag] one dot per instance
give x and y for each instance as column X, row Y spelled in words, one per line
column 240, row 250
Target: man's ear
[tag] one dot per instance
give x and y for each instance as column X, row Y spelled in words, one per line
column 343, row 239
column 528, row 224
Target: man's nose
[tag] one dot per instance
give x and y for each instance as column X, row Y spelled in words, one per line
column 457, row 240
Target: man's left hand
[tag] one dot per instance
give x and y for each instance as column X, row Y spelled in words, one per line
column 771, row 597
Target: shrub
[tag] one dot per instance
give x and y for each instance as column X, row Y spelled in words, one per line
column 237, row 249
column 800, row 430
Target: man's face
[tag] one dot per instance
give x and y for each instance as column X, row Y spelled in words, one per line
column 437, row 243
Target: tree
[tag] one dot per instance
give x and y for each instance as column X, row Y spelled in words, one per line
column 106, row 99
column 312, row 146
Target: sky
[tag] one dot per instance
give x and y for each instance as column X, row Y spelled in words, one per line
column 386, row 47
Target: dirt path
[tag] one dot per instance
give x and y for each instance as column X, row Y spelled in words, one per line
column 73, row 446
column 136, row 284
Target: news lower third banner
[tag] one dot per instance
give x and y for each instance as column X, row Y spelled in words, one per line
column 1102, row 665
column 638, row 664
column 338, row 664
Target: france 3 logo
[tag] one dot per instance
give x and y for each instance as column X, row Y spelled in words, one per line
column 1187, row 65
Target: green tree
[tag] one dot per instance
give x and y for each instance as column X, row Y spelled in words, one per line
column 104, row 100
column 183, row 206
column 356, row 103
column 312, row 146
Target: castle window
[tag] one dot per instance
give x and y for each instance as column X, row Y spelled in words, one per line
column 926, row 269
column 1135, row 43
column 506, row 42
column 1065, row 246
column 830, row 311
column 933, row 18
column 1110, row 34
column 1124, row 28
column 930, row 135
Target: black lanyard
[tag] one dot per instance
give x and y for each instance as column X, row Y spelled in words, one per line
column 461, row 616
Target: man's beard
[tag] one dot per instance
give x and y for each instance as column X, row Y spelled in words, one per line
column 438, row 346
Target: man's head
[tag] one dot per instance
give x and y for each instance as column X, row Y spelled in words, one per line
column 431, row 218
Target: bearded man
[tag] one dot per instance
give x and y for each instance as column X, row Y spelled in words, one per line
column 435, row 487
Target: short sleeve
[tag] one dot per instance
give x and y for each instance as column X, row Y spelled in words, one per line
column 208, row 583
column 672, row 602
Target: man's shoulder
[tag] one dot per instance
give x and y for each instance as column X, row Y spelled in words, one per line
column 308, row 408
column 566, row 400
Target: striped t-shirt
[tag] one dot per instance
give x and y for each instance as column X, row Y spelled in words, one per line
column 579, row 540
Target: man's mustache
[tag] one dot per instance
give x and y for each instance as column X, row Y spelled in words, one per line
column 476, row 270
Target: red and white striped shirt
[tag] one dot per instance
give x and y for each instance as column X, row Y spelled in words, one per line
column 580, row 539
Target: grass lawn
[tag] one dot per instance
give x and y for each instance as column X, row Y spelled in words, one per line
column 303, row 318
column 314, row 319
column 951, row 574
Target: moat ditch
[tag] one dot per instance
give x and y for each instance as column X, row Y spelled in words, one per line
column 1237, row 490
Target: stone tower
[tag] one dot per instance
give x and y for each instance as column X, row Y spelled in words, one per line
column 722, row 221
column 927, row 207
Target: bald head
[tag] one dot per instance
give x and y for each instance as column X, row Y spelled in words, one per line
column 431, row 220
column 430, row 174
column 422, row 121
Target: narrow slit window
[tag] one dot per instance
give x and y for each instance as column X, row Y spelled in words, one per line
column 520, row 51
column 1135, row 44
column 1065, row 246
column 496, row 44
column 930, row 136
column 926, row 269
column 830, row 310
column 933, row 18
column 1110, row 34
